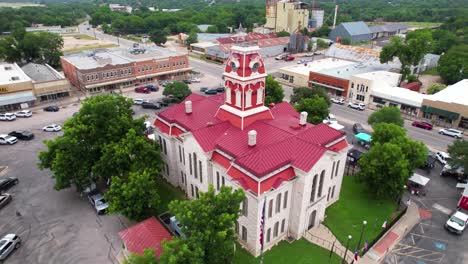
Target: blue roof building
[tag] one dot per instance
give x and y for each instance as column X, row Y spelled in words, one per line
column 355, row 31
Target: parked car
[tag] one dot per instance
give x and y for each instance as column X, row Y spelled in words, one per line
column 220, row 89
column 52, row 128
column 421, row 124
column 211, row 91
column 195, row 80
column 289, row 58
column 149, row 105
column 98, row 202
column 22, row 134
column 457, row 222
column 338, row 100
column 281, row 57
column 7, row 116
column 152, row 88
column 139, row 101
column 203, row 89
column 7, row 182
column 142, row 90
column 458, row 173
column 357, row 128
column 442, row 157
column 9, row 243
column 170, row 99
column 451, row 132
column 7, row 139
column 51, row 108
column 187, row 81
column 358, row 106
column 162, row 103
column 4, row 199
column 24, row 113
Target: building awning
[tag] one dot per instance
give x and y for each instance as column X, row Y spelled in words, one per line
column 163, row 73
column 441, row 112
column 17, row 98
column 328, row 86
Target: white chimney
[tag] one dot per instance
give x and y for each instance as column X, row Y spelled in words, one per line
column 252, row 138
column 188, row 107
column 303, row 119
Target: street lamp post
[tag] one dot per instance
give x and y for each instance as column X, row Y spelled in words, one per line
column 364, row 223
column 343, row 261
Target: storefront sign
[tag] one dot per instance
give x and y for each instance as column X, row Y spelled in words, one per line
column 3, row 89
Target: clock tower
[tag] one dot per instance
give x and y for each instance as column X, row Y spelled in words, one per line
column 244, row 84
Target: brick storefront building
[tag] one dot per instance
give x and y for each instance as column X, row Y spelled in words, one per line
column 112, row 69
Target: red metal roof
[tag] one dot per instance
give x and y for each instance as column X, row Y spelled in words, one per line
column 147, row 234
column 250, row 37
column 276, row 180
column 221, row 160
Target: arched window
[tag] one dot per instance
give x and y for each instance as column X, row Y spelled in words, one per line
column 314, row 188
column 248, row 98
column 312, row 219
column 260, row 95
column 337, row 167
column 275, row 229
column 245, row 207
column 238, row 97
column 195, row 165
column 322, row 176
column 228, row 95
column 278, row 203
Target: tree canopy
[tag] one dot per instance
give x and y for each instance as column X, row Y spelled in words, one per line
column 316, row 108
column 435, row 88
column 158, row 36
column 458, row 152
column 208, row 223
column 389, row 114
column 274, row 92
column 307, row 92
column 178, row 89
column 452, row 65
column 148, row 257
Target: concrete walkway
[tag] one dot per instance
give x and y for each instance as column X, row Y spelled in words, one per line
column 323, row 237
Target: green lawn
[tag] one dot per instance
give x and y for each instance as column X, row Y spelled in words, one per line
column 432, row 71
column 300, row 251
column 422, row 24
column 167, row 193
column 355, row 205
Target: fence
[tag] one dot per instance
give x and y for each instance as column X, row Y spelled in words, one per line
column 335, row 247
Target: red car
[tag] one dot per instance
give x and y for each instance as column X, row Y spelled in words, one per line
column 142, row 90
column 423, row 125
column 289, row 58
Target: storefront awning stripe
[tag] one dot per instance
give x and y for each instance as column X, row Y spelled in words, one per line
column 16, row 98
column 441, row 112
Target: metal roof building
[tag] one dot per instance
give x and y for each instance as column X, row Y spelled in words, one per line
column 355, row 31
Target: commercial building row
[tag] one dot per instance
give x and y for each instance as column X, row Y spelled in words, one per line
column 23, row 87
column 111, row 69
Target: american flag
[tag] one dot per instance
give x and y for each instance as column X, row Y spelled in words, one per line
column 262, row 223
column 365, row 245
column 356, row 255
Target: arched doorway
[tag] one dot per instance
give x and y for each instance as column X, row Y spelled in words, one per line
column 312, row 219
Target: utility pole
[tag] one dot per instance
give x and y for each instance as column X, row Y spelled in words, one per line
column 343, row 261
column 334, row 19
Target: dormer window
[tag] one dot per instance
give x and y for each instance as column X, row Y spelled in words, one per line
column 255, row 67
column 233, row 66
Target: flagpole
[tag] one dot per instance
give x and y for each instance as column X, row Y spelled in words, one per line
column 263, row 231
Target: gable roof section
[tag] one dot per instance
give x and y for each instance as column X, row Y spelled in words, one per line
column 356, row 28
column 147, row 234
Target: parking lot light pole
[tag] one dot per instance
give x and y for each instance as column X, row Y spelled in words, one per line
column 343, row 261
column 364, row 223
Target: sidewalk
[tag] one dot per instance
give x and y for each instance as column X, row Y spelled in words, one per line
column 323, row 237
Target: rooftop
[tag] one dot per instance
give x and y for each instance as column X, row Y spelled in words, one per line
column 371, row 70
column 356, row 28
column 12, row 73
column 456, row 93
column 390, row 78
column 117, row 56
column 41, row 72
column 401, row 95
column 317, row 66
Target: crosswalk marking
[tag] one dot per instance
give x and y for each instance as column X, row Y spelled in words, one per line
column 441, row 208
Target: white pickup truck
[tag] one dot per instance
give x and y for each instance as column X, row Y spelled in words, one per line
column 331, row 121
column 457, row 222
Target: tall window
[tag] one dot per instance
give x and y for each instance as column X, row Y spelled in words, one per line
column 285, row 204
column 333, row 170
column 195, row 165
column 244, row 233
column 165, row 147
column 217, row 180
column 278, row 203
column 180, row 154
column 328, row 194
column 282, row 225
column 275, row 230
column 260, row 95
column 248, row 98
column 222, row 183
column 160, row 143
column 245, row 207
column 268, row 235
column 333, row 192
column 236, row 228
column 337, row 167
column 228, row 95
column 196, row 192
column 200, row 168
column 190, row 162
column 238, row 98
column 182, row 176
column 193, row 193
column 322, row 176
column 183, row 154
column 270, row 209
column 314, row 188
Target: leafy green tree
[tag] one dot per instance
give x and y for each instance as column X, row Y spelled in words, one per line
column 412, row 78
column 192, row 38
column 389, row 114
column 179, row 90
column 452, row 65
column 283, row 34
column 102, row 120
column 386, row 132
column 435, row 88
column 346, row 41
column 158, row 37
column 307, row 92
column 384, row 169
column 180, row 251
column 212, row 29
column 309, row 46
column 208, row 222
column 316, row 107
column 135, row 197
column 274, row 92
column 9, row 50
column 458, row 152
column 321, row 44
column 148, row 257
column 323, row 31
column 444, row 40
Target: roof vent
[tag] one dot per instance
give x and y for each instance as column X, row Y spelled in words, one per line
column 188, row 107
column 15, row 78
column 303, row 119
column 252, row 138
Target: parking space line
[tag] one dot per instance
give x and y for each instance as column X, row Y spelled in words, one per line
column 442, row 209
column 422, row 229
column 446, row 241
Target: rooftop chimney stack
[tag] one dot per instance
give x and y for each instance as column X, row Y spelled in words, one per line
column 252, row 138
column 303, row 119
column 188, row 107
